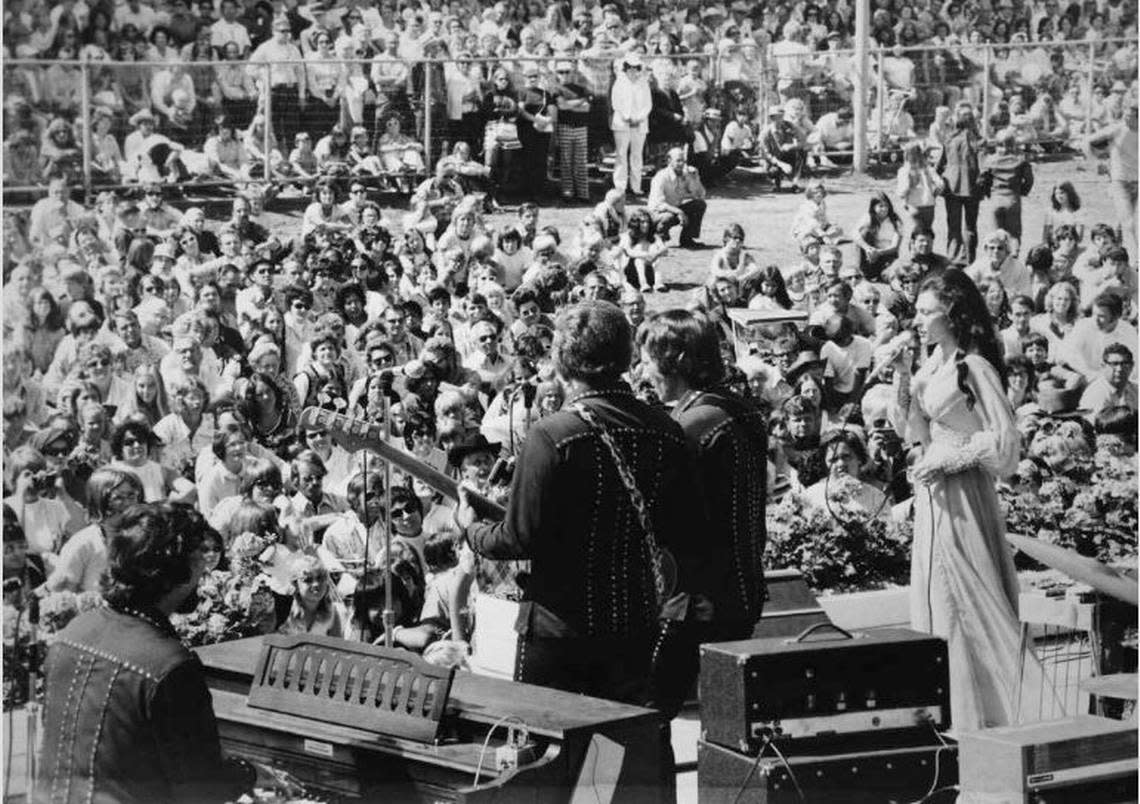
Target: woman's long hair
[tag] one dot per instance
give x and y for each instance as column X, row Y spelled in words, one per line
column 769, row 273
column 970, row 322
column 54, row 319
column 880, row 197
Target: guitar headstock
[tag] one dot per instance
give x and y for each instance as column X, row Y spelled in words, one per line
column 349, row 432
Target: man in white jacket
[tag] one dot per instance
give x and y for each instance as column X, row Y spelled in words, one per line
column 631, row 104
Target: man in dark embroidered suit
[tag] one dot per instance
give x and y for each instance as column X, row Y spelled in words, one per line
column 590, row 610
column 128, row 717
column 680, row 356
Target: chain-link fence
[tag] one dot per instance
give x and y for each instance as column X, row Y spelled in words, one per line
column 109, row 125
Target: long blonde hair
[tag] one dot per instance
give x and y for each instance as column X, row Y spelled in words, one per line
column 153, row 411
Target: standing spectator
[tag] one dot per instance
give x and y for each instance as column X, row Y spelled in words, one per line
column 791, row 57
column 287, row 78
column 1012, row 178
column 537, row 115
column 572, row 132
column 632, row 102
column 229, row 29
column 1122, row 168
column 677, row 197
column 917, row 186
column 960, row 172
column 325, row 81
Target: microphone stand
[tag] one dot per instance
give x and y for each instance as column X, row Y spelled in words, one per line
column 33, row 706
column 388, row 616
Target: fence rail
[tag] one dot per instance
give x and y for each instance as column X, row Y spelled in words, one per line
column 434, row 98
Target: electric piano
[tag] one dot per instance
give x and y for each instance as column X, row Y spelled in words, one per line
column 522, row 742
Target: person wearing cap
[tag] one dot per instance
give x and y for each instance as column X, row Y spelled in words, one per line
column 287, row 78
column 780, row 141
column 1121, row 140
column 631, row 102
column 680, row 356
column 677, row 198
column 572, row 131
column 589, row 615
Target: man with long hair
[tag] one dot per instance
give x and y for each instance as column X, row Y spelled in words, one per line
column 680, row 356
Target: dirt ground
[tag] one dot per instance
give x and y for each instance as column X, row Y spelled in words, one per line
column 767, row 217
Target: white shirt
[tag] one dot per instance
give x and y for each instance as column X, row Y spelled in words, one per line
column 842, row 362
column 222, row 32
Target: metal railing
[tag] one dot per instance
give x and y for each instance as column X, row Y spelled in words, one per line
column 941, row 75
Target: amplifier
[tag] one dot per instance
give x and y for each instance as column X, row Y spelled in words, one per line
column 1079, row 758
column 809, row 690
column 902, row 774
column 789, row 605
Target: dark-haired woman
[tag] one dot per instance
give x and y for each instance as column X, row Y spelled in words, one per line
column 878, row 235
column 963, row 585
column 266, row 406
column 133, row 444
column 43, row 328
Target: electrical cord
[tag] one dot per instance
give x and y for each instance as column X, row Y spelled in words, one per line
column 791, row 774
column 934, row 788
column 751, row 770
column 487, row 740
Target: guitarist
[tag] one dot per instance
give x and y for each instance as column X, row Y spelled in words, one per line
column 589, row 616
column 680, row 357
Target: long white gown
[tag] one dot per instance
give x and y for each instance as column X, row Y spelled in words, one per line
column 963, row 586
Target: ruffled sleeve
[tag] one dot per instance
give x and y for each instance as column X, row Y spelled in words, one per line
column 997, row 445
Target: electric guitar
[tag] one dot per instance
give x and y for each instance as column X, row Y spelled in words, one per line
column 354, row 434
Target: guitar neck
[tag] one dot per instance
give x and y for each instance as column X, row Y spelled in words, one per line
column 355, row 434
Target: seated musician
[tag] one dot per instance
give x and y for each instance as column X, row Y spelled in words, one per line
column 141, row 726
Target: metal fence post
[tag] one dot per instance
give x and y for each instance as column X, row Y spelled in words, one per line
column 1089, row 89
column 85, row 111
column 427, row 115
column 267, row 134
column 881, row 101
column 987, row 58
column 862, row 34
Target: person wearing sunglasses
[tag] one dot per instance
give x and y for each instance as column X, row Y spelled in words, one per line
column 94, row 363
column 632, row 102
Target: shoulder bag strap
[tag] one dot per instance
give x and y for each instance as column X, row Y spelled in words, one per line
column 636, row 498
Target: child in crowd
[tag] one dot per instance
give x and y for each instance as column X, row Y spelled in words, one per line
column 731, row 259
column 811, row 217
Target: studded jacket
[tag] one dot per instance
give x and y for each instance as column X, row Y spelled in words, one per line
column 571, row 515
column 127, row 717
column 730, row 440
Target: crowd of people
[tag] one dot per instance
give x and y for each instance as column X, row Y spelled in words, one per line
column 154, row 357
column 181, row 91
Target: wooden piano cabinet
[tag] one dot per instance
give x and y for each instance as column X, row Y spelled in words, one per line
column 585, row 749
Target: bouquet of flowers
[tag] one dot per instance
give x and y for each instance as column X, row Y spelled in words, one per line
column 840, row 550
column 1087, row 505
column 233, row 603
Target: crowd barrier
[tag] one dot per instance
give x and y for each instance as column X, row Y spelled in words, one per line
column 434, row 103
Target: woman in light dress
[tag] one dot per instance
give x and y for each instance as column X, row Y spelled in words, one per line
column 963, row 585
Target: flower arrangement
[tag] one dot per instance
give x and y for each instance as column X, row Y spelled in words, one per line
column 232, row 603
column 840, row 550
column 1086, row 504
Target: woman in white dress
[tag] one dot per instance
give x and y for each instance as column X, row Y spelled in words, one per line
column 963, row 585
